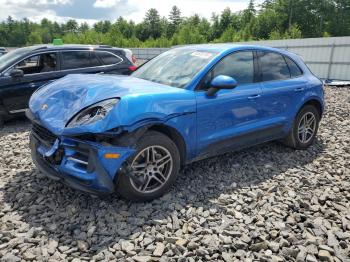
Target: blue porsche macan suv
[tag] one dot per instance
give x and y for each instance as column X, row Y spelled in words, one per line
column 132, row 134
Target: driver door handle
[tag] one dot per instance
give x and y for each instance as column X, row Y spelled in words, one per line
column 299, row 89
column 254, row 96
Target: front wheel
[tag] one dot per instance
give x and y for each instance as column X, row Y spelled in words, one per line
column 154, row 168
column 304, row 129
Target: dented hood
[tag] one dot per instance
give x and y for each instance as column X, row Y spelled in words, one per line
column 56, row 103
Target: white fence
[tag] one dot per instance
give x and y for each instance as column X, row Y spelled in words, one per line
column 328, row 58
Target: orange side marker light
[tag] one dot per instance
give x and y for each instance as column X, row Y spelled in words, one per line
column 112, row 156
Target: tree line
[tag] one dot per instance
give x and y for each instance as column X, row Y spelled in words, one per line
column 273, row 19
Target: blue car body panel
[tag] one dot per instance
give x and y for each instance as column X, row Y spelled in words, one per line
column 143, row 100
column 233, row 118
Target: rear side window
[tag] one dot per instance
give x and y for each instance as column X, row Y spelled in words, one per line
column 273, row 66
column 78, row 59
column 295, row 71
column 94, row 60
column 108, row 58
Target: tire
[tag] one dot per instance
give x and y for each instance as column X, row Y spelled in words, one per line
column 157, row 146
column 296, row 139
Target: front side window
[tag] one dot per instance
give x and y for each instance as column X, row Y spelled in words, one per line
column 42, row 63
column 176, row 67
column 273, row 66
column 239, row 65
column 7, row 60
column 78, row 59
column 108, row 58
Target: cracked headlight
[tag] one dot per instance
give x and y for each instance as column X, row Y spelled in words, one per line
column 93, row 113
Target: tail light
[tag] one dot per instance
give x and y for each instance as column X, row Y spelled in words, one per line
column 134, row 60
column 132, row 68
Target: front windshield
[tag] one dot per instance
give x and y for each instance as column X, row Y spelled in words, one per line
column 176, row 67
column 7, row 60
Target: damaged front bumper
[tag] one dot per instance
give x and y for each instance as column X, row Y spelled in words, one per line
column 84, row 165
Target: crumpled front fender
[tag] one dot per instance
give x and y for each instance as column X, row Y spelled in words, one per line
column 140, row 100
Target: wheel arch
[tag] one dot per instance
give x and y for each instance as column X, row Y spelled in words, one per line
column 174, row 135
column 313, row 102
column 128, row 138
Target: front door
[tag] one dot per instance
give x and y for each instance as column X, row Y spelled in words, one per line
column 37, row 71
column 231, row 118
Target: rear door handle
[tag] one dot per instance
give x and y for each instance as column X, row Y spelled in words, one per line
column 32, row 85
column 254, row 96
column 299, row 89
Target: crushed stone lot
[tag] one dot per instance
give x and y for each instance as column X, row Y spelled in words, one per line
column 266, row 203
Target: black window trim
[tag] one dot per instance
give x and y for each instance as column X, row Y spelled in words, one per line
column 211, row 69
column 259, row 73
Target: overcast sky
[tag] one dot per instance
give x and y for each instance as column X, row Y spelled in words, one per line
column 94, row 10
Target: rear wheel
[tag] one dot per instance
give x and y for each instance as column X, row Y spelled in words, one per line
column 304, row 129
column 154, row 167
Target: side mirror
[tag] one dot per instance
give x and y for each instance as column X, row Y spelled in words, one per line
column 16, row 73
column 221, row 82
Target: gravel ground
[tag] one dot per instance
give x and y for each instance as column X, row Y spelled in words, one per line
column 267, row 203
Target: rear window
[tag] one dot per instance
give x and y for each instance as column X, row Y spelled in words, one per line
column 273, row 66
column 108, row 58
column 78, row 59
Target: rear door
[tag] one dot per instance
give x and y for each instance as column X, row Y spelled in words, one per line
column 283, row 85
column 80, row 61
column 38, row 69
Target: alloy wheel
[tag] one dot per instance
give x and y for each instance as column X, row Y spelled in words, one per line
column 306, row 127
column 152, row 167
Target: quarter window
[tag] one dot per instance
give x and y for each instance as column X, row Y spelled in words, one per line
column 78, row 59
column 273, row 66
column 42, row 63
column 108, row 58
column 293, row 67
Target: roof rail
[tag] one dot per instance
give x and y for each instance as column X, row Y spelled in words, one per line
column 105, row 46
column 41, row 47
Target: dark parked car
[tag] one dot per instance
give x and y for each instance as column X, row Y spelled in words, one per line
column 23, row 70
column 2, row 51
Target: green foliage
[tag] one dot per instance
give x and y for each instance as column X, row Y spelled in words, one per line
column 273, row 19
column 34, row 38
